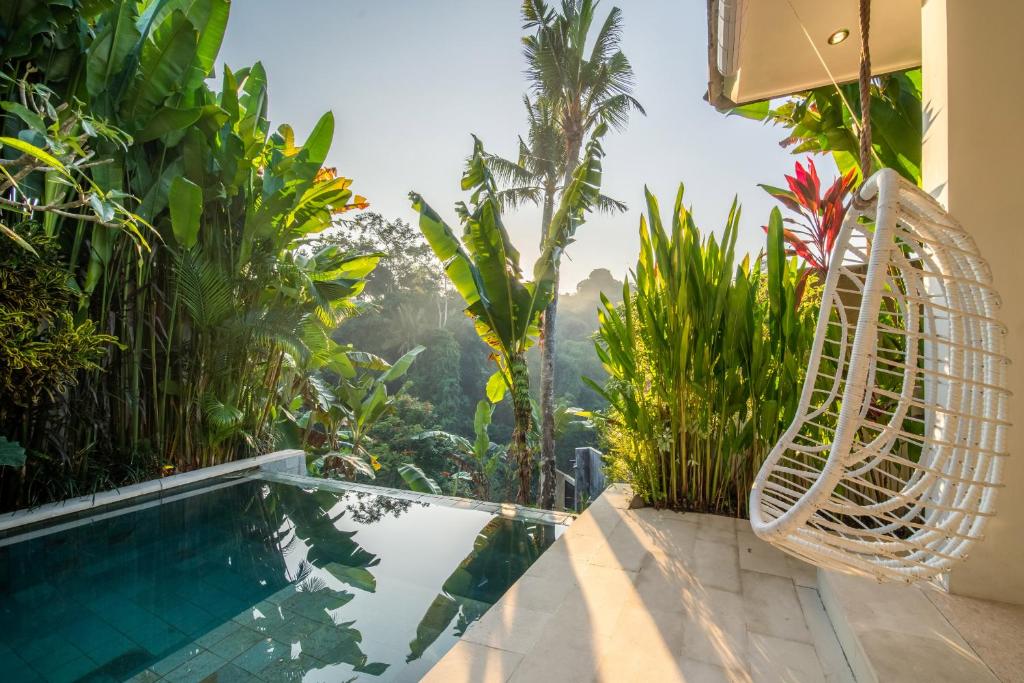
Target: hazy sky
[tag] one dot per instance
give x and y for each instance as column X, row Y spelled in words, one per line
column 409, row 80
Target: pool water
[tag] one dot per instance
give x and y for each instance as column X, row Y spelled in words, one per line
column 256, row 579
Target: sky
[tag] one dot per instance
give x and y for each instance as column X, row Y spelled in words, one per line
column 410, row 80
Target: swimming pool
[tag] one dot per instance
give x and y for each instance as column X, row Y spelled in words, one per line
column 263, row 577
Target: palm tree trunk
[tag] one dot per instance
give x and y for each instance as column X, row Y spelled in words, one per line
column 547, row 362
column 523, row 417
column 547, row 376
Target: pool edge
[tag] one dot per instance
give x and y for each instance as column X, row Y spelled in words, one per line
column 289, row 460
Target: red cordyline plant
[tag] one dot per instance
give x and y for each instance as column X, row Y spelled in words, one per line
column 812, row 236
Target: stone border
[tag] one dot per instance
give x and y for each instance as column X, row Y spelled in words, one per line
column 285, row 466
column 278, row 461
column 499, row 509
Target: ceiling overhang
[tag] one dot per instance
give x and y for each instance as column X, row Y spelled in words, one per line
column 760, row 49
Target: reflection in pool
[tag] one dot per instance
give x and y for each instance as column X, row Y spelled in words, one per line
column 257, row 579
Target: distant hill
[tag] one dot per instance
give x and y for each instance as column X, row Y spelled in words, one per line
column 587, row 298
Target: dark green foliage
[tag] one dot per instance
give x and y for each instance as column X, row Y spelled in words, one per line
column 191, row 238
column 42, row 349
column 437, row 378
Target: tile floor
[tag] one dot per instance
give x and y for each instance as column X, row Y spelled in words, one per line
column 646, row 595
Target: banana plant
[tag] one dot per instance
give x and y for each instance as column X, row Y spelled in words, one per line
column 479, row 459
column 340, row 432
column 484, row 269
column 231, row 304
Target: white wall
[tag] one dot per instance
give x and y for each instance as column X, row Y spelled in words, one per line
column 973, row 162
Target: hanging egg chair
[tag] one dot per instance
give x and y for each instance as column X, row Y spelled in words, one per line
column 891, row 466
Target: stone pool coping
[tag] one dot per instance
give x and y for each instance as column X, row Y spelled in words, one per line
column 508, row 510
column 278, row 461
column 285, row 465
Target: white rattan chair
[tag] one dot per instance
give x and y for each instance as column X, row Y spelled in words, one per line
column 891, row 465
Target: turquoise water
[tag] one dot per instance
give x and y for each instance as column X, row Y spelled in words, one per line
column 256, row 580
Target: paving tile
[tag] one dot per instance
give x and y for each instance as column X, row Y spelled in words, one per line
column 145, row 676
column 603, row 587
column 196, row 669
column 261, row 655
column 176, row 659
column 66, row 671
column 826, row 643
column 471, row 663
column 157, row 637
column 715, row 630
column 510, row 627
column 587, row 618
column 229, row 673
column 772, row 607
column 618, row 496
column 645, row 646
column 695, row 671
column 567, row 557
column 716, row 528
column 218, row 633
column 45, row 647
column 236, row 643
column 625, row 548
column 556, row 662
column 540, row 593
column 757, row 556
column 291, row 669
column 715, row 565
column 777, row 660
column 669, row 536
column 665, row 583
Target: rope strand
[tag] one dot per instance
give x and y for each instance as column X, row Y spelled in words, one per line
column 865, row 88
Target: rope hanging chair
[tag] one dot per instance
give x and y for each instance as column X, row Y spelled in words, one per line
column 891, row 465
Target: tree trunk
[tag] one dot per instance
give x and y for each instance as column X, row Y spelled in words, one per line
column 523, row 416
column 547, row 376
column 547, row 363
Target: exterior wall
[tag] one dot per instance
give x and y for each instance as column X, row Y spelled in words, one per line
column 973, row 72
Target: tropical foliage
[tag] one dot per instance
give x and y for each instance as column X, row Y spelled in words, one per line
column 705, row 362
column 479, row 461
column 484, row 269
column 813, row 235
column 580, row 81
column 339, row 420
column 825, row 120
column 186, row 229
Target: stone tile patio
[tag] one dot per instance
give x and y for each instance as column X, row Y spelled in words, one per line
column 645, row 595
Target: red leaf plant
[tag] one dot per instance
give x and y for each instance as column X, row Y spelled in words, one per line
column 813, row 234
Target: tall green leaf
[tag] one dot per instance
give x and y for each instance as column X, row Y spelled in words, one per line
column 186, row 202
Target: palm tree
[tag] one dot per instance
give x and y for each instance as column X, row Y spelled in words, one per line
column 575, row 91
column 484, row 268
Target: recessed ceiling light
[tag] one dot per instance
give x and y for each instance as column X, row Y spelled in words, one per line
column 839, row 36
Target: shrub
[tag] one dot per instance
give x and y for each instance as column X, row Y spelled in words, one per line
column 705, row 362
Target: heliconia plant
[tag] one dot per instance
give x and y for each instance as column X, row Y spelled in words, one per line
column 705, row 361
column 812, row 236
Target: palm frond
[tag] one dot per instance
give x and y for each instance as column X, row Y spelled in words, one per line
column 607, row 205
column 204, row 289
